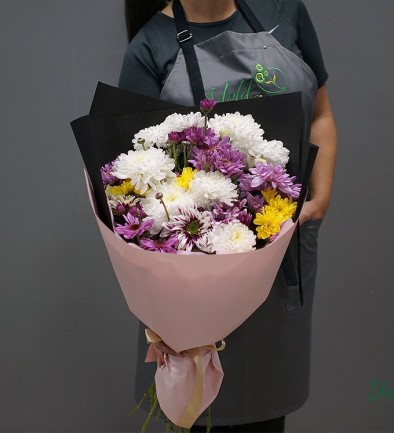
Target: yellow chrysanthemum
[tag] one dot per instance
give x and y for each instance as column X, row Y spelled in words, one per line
column 268, row 222
column 269, row 194
column 186, row 177
column 283, row 206
column 124, row 188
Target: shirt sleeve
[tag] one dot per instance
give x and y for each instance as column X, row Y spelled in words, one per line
column 139, row 71
column 309, row 44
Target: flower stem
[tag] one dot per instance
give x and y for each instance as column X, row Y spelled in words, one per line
column 159, row 412
column 185, row 155
column 209, row 421
column 174, row 150
column 159, row 196
column 165, row 208
column 168, row 426
column 141, row 141
column 147, row 394
column 150, row 415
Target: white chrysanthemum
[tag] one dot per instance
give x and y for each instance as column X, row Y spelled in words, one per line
column 174, row 197
column 178, row 122
column 145, row 168
column 156, row 135
column 243, row 131
column 271, row 151
column 231, row 238
column 212, row 187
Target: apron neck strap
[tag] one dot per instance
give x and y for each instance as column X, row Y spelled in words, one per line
column 249, row 16
column 185, row 39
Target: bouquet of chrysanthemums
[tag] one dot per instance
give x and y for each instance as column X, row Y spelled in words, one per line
column 196, row 219
column 196, row 185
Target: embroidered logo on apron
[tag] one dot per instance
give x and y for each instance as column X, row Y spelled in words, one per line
column 269, row 80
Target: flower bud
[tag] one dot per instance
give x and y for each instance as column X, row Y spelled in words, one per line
column 175, row 137
column 206, row 105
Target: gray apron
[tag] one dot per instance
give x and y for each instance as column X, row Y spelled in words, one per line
column 266, row 362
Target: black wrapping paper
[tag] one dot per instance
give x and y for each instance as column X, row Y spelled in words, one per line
column 117, row 115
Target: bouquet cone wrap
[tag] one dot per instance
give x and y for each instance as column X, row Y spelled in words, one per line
column 190, row 301
column 191, row 310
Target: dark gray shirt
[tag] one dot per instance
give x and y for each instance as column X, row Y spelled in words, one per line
column 151, row 54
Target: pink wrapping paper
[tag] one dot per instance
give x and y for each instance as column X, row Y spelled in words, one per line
column 191, row 301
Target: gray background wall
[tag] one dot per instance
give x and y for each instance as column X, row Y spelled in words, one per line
column 67, row 338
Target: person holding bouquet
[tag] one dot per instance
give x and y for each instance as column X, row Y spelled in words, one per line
column 187, row 50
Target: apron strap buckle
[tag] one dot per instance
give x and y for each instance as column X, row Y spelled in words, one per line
column 184, row 36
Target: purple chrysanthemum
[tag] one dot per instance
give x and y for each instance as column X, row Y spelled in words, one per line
column 133, row 227
column 210, row 138
column 194, row 135
column 120, row 209
column 254, row 202
column 265, row 176
column 137, row 211
column 121, row 205
column 221, row 157
column 202, row 159
column 160, row 245
column 106, row 174
column 207, row 105
column 244, row 183
column 226, row 214
column 229, row 161
column 176, row 137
